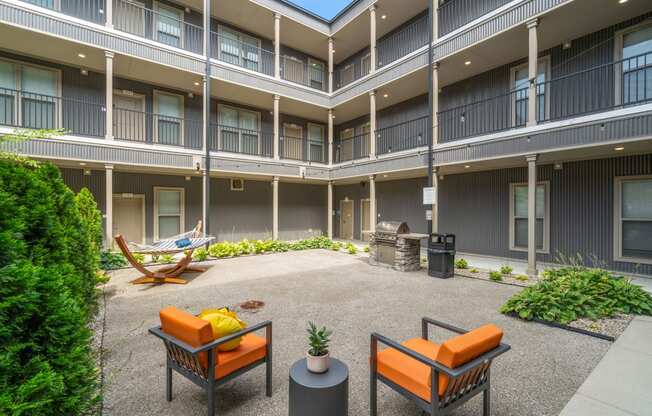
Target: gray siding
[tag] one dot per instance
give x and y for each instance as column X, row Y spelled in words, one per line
column 236, row 215
column 302, row 210
column 475, row 207
column 454, row 14
column 403, row 40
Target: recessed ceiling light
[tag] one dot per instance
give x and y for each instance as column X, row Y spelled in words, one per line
column 384, row 176
column 622, row 1
column 81, row 55
column 467, row 63
column 196, row 83
column 467, row 166
column 619, row 148
column 82, row 163
column 383, row 17
column 385, row 95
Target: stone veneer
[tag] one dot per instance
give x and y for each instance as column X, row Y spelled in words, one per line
column 407, row 256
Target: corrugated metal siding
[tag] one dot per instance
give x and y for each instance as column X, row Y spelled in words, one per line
column 403, row 40
column 302, row 210
column 475, row 207
column 454, row 14
column 241, row 214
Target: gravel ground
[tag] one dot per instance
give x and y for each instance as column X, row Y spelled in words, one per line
column 537, row 377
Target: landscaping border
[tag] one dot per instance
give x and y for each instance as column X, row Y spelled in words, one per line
column 565, row 327
column 500, row 282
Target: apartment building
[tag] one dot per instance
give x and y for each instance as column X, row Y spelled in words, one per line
column 322, row 127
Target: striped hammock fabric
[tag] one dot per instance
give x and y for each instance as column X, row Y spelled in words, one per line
column 169, row 245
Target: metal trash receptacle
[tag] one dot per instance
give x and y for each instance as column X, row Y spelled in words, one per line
column 441, row 255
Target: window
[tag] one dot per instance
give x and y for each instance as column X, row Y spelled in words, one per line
column 169, row 212
column 168, row 25
column 637, row 65
column 518, row 208
column 292, row 144
column 520, row 89
column 346, row 145
column 238, row 130
column 317, row 71
column 316, row 142
column 168, row 118
column 129, row 16
column 633, row 227
column 29, row 96
column 347, row 74
column 238, row 49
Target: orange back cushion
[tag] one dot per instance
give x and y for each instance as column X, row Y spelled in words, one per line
column 187, row 328
column 461, row 349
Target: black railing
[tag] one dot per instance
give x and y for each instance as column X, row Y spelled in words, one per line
column 147, row 23
column 39, row 111
column 292, row 148
column 402, row 42
column 139, row 126
column 243, row 141
column 402, row 136
column 310, row 74
column 454, row 14
column 353, row 148
column 243, row 54
column 91, row 10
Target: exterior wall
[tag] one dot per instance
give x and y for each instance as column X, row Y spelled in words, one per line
column 236, row 215
column 475, row 207
column 454, row 14
column 302, row 210
column 406, row 38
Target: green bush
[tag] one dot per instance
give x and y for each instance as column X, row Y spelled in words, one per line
column 461, row 264
column 336, row 246
column 140, row 258
column 167, row 259
column 111, row 260
column 200, row 254
column 496, row 276
column 567, row 294
column 351, row 248
column 521, row 278
column 474, row 270
column 506, row 269
column 366, row 249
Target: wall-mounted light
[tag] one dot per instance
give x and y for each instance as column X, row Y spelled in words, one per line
column 83, row 71
column 191, row 95
column 558, row 166
column 566, row 45
column 87, row 172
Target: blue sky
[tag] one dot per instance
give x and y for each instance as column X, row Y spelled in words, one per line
column 324, row 8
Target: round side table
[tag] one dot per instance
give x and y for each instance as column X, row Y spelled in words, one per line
column 325, row 394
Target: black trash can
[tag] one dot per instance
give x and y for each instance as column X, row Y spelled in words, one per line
column 441, row 255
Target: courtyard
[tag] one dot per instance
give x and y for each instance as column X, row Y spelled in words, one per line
column 538, row 376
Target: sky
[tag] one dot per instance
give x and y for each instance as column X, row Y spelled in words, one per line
column 324, row 8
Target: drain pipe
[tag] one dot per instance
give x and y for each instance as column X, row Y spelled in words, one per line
column 207, row 116
column 430, row 106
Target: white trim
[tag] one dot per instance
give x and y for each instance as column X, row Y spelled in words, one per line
column 543, row 61
column 238, row 110
column 182, row 214
column 618, row 220
column 546, row 217
column 236, row 188
column 143, row 211
column 156, row 115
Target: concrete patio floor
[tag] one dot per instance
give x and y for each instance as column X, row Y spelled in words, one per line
column 537, row 377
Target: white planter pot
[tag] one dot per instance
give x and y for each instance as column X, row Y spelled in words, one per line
column 318, row 364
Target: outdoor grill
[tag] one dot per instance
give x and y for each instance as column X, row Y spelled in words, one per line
column 393, row 245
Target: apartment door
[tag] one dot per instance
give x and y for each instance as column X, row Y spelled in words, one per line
column 129, row 16
column 346, row 219
column 365, row 219
column 129, row 217
column 129, row 117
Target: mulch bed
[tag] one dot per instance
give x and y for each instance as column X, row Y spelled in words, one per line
column 509, row 279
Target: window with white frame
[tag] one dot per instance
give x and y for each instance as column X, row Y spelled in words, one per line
column 29, row 95
column 520, row 88
column 168, row 118
column 637, row 65
column 169, row 212
column 315, row 142
column 518, row 208
column 317, row 74
column 347, row 74
column 633, row 227
column 169, row 28
column 238, row 131
column 238, row 48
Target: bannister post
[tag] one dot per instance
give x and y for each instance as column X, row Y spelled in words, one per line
column 277, row 132
column 533, row 59
column 373, row 217
column 330, row 136
column 109, row 95
column 275, row 208
column 532, row 215
column 108, row 209
column 277, row 46
column 330, row 210
column 372, row 124
column 372, row 37
column 331, row 52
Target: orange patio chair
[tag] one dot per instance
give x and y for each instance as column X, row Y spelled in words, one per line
column 192, row 352
column 438, row 378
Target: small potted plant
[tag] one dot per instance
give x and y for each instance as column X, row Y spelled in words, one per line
column 318, row 358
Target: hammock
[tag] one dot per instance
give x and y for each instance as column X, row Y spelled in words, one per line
column 193, row 239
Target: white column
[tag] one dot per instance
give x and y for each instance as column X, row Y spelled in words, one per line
column 435, row 102
column 372, row 37
column 108, row 13
column 275, row 208
column 373, row 217
column 277, row 127
column 108, row 210
column 435, row 20
column 205, row 201
column 531, row 215
column 277, row 45
column 330, row 137
column 533, row 59
column 435, row 206
column 330, row 209
column 372, row 124
column 331, row 60
column 109, row 95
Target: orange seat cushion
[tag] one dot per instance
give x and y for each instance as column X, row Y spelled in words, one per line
column 405, row 371
column 251, row 349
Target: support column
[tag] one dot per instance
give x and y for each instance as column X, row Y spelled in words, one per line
column 277, row 127
column 532, row 215
column 108, row 14
column 109, row 95
column 435, row 102
column 108, row 211
column 277, row 46
column 331, row 59
column 275, row 208
column 533, row 71
column 330, row 137
column 372, row 37
column 435, row 20
column 372, row 124
column 373, row 217
column 330, row 210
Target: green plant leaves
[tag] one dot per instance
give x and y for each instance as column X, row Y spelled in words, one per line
column 318, row 339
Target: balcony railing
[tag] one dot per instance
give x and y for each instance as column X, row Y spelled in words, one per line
column 454, row 14
column 243, row 141
column 159, row 26
column 296, row 148
column 143, row 127
column 39, row 111
column 244, row 54
column 91, row 10
column 353, row 148
column 403, row 42
column 402, row 136
column 310, row 74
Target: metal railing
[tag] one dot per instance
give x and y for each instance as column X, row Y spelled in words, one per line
column 351, row 70
column 292, row 148
column 353, row 148
column 91, row 10
column 243, row 141
column 243, row 54
column 402, row 136
column 139, row 126
column 402, row 42
column 39, row 111
column 133, row 18
column 310, row 74
column 454, row 14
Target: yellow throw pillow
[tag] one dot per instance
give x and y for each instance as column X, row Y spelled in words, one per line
column 223, row 324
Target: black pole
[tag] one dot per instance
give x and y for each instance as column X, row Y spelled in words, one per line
column 207, row 112
column 431, row 123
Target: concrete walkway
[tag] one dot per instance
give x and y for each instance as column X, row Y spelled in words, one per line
column 620, row 384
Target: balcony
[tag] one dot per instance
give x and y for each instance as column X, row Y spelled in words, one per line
column 149, row 128
column 402, row 136
column 454, row 14
column 245, row 54
column 310, row 74
column 296, row 148
column 241, row 141
column 353, row 148
column 90, row 10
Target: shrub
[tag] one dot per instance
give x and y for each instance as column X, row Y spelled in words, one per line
column 111, row 260
column 496, row 276
column 506, row 269
column 351, row 248
column 336, row 246
column 521, row 278
column 461, row 264
column 474, row 270
column 167, row 259
column 366, row 249
column 200, row 254
column 140, row 258
column 567, row 294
